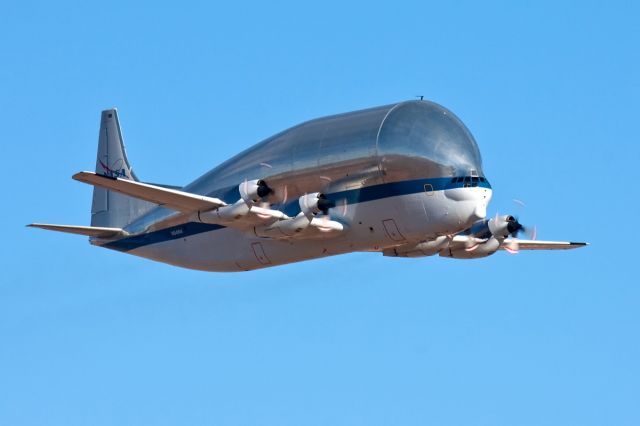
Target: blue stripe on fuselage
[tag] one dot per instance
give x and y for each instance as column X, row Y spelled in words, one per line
column 393, row 189
column 351, row 196
column 167, row 234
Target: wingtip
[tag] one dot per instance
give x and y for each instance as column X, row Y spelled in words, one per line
column 579, row 244
column 86, row 177
column 79, row 175
column 36, row 225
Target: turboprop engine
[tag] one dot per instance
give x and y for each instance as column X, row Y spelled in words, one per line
column 503, row 226
column 484, row 238
column 251, row 197
column 474, row 251
column 314, row 215
column 425, row 248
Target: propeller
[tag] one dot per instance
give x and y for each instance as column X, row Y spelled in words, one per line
column 530, row 232
column 263, row 189
column 324, row 204
column 514, row 227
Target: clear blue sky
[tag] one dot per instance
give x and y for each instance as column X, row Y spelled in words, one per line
column 94, row 337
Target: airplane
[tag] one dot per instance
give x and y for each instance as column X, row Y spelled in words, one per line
column 404, row 180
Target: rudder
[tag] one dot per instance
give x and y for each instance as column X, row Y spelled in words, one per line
column 110, row 209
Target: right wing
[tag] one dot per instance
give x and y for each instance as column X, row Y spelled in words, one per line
column 462, row 240
column 243, row 214
column 540, row 245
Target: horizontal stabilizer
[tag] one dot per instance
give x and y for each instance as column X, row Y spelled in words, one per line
column 185, row 202
column 541, row 245
column 89, row 231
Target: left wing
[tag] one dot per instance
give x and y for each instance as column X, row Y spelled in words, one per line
column 244, row 214
column 185, row 202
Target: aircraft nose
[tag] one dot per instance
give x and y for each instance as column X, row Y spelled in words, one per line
column 467, row 204
column 480, row 212
column 472, row 204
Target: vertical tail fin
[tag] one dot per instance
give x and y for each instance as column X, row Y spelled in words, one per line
column 110, row 209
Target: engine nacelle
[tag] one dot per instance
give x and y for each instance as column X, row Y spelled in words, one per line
column 308, row 220
column 312, row 204
column 225, row 214
column 503, row 226
column 475, row 252
column 298, row 226
column 425, row 248
column 253, row 190
column 284, row 228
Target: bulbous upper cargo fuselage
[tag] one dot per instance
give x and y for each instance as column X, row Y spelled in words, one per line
column 408, row 140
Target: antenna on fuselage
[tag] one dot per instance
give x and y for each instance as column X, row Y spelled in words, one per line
column 420, row 96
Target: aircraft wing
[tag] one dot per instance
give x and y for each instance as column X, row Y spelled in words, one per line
column 511, row 244
column 540, row 245
column 185, row 202
column 241, row 215
column 89, row 231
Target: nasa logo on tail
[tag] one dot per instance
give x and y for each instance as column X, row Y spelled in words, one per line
column 115, row 171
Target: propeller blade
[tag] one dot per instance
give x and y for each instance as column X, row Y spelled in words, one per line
column 266, row 206
column 344, row 207
column 472, row 248
column 324, row 227
column 512, row 247
column 514, row 227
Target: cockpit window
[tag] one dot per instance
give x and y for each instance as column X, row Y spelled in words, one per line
column 469, row 181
